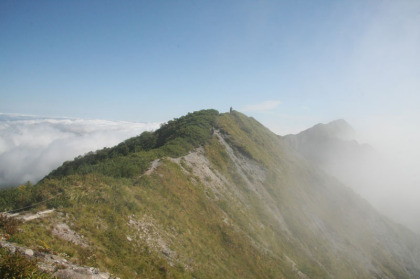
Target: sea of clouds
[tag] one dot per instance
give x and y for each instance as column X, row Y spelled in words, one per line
column 32, row 146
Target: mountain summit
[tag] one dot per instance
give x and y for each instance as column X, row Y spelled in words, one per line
column 338, row 129
column 209, row 195
column 323, row 144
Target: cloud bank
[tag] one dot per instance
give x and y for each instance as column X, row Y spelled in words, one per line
column 31, row 147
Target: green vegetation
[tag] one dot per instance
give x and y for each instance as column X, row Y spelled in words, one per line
column 133, row 156
column 17, row 266
column 251, row 138
column 9, row 224
column 267, row 214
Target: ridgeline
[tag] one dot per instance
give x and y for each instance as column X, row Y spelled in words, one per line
column 208, row 195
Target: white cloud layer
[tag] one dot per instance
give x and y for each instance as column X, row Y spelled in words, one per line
column 31, row 147
column 264, row 106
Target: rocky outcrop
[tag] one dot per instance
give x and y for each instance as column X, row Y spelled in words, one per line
column 64, row 232
column 57, row 265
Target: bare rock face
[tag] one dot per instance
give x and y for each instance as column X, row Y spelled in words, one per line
column 64, row 232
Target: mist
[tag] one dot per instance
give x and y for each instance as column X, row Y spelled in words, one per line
column 32, row 146
column 384, row 72
column 384, row 168
column 391, row 180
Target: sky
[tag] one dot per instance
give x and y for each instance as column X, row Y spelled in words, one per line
column 289, row 64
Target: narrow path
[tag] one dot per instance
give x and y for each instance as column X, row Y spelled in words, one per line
column 153, row 166
column 156, row 163
column 29, row 216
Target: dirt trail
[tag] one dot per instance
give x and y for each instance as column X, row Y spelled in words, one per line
column 37, row 215
column 156, row 163
column 28, row 216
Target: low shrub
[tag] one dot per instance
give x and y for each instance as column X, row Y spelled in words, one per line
column 17, row 266
column 9, row 224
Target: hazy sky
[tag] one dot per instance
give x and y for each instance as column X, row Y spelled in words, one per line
column 290, row 64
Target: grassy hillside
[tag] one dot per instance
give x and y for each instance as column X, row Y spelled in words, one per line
column 209, row 195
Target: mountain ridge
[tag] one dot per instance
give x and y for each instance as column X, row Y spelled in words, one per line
column 323, row 143
column 212, row 195
column 338, row 128
column 368, row 171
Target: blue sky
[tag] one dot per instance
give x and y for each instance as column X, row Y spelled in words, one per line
column 290, row 64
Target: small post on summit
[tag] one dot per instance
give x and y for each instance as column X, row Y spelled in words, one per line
column 231, row 110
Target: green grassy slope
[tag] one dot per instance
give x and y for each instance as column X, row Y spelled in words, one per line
column 225, row 199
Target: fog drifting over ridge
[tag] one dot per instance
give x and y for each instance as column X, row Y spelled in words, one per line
column 380, row 162
column 392, row 181
column 32, row 146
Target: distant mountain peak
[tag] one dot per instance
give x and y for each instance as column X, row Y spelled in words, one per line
column 341, row 128
column 337, row 129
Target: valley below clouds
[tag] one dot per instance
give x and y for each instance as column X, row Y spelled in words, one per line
column 32, row 146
